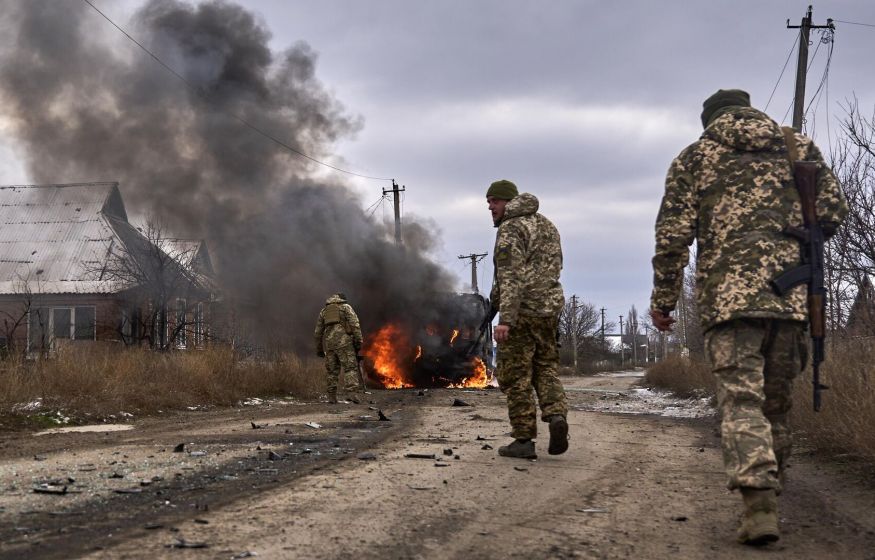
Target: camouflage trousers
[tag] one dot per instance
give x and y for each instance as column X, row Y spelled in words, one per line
column 528, row 360
column 344, row 359
column 755, row 362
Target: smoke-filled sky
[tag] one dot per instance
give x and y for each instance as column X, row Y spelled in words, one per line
column 581, row 103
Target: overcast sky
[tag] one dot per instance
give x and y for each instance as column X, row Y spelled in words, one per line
column 583, row 104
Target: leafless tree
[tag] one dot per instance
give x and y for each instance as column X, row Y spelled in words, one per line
column 162, row 290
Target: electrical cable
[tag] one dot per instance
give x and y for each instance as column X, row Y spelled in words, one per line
column 781, row 75
column 238, row 118
column 855, row 23
column 827, row 36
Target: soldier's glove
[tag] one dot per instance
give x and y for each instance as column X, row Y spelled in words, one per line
column 320, row 353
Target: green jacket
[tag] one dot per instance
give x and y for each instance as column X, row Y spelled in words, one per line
column 733, row 192
column 528, row 260
column 337, row 326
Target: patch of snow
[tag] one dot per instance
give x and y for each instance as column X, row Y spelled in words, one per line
column 648, row 401
column 89, row 428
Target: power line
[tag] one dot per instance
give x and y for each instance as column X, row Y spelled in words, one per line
column 855, row 23
column 198, row 91
column 781, row 75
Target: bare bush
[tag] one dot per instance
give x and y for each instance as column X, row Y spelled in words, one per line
column 683, row 376
column 99, row 379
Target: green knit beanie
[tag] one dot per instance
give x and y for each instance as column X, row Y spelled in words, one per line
column 723, row 98
column 503, row 189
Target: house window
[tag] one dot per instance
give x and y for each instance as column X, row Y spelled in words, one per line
column 46, row 325
column 180, row 325
column 199, row 324
column 84, row 327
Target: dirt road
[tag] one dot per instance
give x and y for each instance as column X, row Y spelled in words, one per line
column 632, row 485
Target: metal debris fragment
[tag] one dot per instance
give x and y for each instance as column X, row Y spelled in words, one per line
column 314, row 425
column 431, row 456
column 367, row 456
column 179, row 448
column 383, row 417
column 460, row 402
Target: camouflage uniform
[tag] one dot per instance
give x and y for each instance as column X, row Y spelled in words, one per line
column 339, row 335
column 528, row 295
column 732, row 191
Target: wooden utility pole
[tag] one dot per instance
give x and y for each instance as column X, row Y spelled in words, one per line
column 603, row 326
column 475, row 258
column 622, row 354
column 395, row 192
column 802, row 65
column 574, row 329
column 634, row 326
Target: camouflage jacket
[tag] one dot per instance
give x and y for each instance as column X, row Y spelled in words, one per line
column 528, row 260
column 337, row 326
column 733, row 192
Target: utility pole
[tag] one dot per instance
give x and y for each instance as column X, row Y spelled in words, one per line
column 634, row 326
column 395, row 191
column 622, row 354
column 647, row 342
column 802, row 65
column 574, row 329
column 475, row 258
column 603, row 326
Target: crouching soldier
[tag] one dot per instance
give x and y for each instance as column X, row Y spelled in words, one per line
column 338, row 338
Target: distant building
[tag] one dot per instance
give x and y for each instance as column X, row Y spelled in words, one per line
column 861, row 317
column 72, row 268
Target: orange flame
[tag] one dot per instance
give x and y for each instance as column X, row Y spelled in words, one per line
column 479, row 380
column 388, row 361
column 418, row 353
column 454, row 336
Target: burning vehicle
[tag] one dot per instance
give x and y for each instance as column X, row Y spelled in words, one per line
column 451, row 346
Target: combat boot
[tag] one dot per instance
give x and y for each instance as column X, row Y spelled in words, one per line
column 558, row 435
column 519, row 448
column 759, row 523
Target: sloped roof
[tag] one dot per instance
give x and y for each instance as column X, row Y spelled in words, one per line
column 57, row 238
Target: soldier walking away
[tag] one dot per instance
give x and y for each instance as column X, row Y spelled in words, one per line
column 339, row 339
column 528, row 297
column 733, row 192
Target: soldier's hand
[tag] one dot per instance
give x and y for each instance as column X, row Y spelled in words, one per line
column 662, row 321
column 501, row 333
column 320, row 353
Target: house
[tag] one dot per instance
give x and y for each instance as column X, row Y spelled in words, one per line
column 861, row 317
column 72, row 268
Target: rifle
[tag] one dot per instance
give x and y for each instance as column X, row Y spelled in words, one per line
column 812, row 239
column 360, row 361
column 484, row 326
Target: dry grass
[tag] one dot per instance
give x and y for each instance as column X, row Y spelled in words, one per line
column 101, row 380
column 844, row 424
column 683, row 376
column 847, row 416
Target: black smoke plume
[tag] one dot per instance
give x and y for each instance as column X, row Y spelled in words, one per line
column 86, row 104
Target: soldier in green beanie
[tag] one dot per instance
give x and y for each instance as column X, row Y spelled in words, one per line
column 527, row 295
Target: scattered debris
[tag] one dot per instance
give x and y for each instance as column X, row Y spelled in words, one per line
column 383, row 417
column 412, row 487
column 201, row 521
column 267, row 471
column 39, row 457
column 679, row 518
column 442, row 464
column 420, row 456
column 179, row 448
column 313, row 425
column 197, row 454
column 182, row 543
column 521, row 469
column 460, row 402
column 51, row 489
column 128, row 490
column 486, row 446
column 116, row 475
column 367, row 456
column 274, row 456
column 244, row 554
column 255, row 401
column 481, row 438
column 448, row 452
column 593, row 510
column 153, row 526
column 257, row 426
